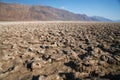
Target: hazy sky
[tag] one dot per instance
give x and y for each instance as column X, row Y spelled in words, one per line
column 105, row 8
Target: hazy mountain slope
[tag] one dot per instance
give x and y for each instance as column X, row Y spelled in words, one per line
column 17, row 12
column 102, row 19
column 116, row 20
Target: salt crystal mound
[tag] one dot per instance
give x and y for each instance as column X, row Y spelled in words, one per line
column 59, row 51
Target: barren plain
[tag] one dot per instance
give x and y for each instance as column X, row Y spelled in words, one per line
column 59, row 51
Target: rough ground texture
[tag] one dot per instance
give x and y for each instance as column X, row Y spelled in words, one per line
column 59, row 51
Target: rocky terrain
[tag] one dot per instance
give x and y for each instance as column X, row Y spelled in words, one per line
column 59, row 51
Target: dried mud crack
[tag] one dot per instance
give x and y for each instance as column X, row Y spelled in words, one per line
column 59, row 51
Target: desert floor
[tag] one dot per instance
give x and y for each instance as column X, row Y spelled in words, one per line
column 59, row 51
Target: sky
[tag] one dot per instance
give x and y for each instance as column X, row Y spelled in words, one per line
column 104, row 8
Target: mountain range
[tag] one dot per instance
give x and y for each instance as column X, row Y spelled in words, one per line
column 20, row 12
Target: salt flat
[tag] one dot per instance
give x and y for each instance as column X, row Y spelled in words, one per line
column 59, row 50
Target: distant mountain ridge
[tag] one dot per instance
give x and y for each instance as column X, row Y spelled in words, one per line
column 19, row 12
column 102, row 19
column 116, row 20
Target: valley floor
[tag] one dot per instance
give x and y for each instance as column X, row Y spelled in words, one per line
column 59, row 50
